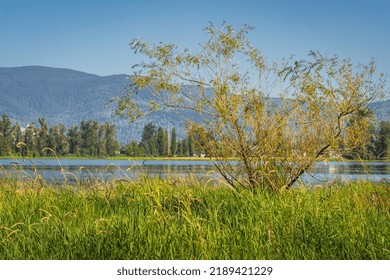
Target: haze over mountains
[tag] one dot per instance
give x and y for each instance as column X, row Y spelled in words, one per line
column 68, row 97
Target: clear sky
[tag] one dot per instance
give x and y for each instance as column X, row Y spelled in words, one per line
column 93, row 35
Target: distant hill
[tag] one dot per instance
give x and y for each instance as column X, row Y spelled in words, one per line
column 381, row 109
column 68, row 96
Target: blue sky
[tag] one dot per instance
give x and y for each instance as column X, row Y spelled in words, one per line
column 94, row 36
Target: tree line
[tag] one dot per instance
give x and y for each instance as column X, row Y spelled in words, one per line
column 157, row 141
column 90, row 138
column 377, row 145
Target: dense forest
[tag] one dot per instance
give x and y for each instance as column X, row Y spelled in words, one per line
column 90, row 138
column 157, row 141
column 94, row 139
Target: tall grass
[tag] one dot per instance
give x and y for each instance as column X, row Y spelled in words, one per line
column 186, row 219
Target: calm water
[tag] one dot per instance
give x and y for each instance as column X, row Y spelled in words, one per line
column 52, row 169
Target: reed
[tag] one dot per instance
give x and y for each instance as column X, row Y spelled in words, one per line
column 186, row 219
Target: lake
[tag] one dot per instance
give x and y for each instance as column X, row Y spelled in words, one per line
column 80, row 169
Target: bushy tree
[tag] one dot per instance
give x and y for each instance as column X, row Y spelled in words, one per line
column 6, row 135
column 112, row 144
column 132, row 149
column 382, row 141
column 89, row 133
column 62, row 140
column 74, row 139
column 230, row 85
column 149, row 139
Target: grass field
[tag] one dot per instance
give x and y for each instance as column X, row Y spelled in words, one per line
column 186, row 219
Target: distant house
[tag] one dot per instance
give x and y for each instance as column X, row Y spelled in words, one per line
column 202, row 154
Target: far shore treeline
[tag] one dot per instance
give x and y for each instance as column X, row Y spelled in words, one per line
column 93, row 139
column 88, row 139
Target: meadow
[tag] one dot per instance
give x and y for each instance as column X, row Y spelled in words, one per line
column 186, row 219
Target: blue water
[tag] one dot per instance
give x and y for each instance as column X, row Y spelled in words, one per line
column 79, row 169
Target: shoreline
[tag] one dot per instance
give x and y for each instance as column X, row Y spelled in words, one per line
column 169, row 159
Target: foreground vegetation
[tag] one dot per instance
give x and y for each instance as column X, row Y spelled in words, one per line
column 187, row 219
column 229, row 86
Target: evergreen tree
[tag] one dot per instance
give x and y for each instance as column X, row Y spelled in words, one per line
column 173, row 143
column 89, row 137
column 382, row 142
column 162, row 142
column 42, row 137
column 52, row 139
column 179, row 147
column 62, row 141
column 184, row 147
column 18, row 138
column 112, row 144
column 102, row 142
column 190, row 146
column 84, row 125
column 29, row 148
column 6, row 136
column 74, row 140
column 166, row 143
column 148, row 141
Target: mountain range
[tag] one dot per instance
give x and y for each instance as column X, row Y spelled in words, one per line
column 68, row 97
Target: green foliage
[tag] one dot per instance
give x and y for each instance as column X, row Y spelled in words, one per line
column 29, row 148
column 178, row 219
column 162, row 142
column 74, row 141
column 382, row 142
column 173, row 148
column 149, row 139
column 112, row 145
column 230, row 86
column 375, row 145
column 155, row 142
column 183, row 148
column 88, row 139
column 91, row 139
column 6, row 135
column 133, row 149
column 43, row 137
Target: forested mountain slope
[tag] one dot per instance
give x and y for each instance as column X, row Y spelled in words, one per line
column 67, row 96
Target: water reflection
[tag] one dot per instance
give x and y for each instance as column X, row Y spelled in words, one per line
column 72, row 170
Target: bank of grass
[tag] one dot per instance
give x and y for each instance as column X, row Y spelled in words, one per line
column 186, row 219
